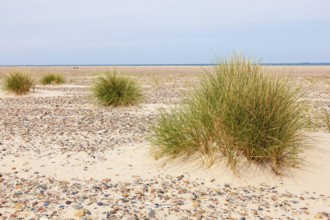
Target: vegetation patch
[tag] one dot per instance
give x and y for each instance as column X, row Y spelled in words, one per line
column 18, row 82
column 326, row 119
column 52, row 79
column 115, row 89
column 238, row 113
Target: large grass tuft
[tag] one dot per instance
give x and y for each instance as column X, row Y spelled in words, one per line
column 52, row 78
column 18, row 82
column 116, row 89
column 238, row 113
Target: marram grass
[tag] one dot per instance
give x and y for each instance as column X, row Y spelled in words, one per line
column 115, row 89
column 237, row 113
column 18, row 82
column 52, row 79
column 326, row 119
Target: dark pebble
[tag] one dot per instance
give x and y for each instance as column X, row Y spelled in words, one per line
column 152, row 214
column 68, row 202
column 100, row 203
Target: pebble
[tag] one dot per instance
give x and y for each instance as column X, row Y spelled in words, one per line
column 152, row 214
column 196, row 204
column 79, row 213
column 274, row 197
column 13, row 216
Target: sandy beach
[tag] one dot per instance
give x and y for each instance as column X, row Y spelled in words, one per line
column 64, row 157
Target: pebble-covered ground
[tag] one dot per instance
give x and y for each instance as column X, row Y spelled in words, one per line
column 41, row 197
column 63, row 120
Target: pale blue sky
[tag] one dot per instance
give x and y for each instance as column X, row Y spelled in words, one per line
column 161, row 32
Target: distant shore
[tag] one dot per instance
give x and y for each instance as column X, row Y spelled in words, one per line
column 184, row 64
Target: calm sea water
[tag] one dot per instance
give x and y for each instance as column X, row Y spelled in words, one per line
column 200, row 64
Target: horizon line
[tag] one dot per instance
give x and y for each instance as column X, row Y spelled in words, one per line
column 177, row 64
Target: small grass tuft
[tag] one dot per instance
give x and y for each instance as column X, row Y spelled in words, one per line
column 239, row 113
column 52, row 79
column 326, row 118
column 18, row 82
column 116, row 89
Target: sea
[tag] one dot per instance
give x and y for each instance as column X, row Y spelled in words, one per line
column 198, row 64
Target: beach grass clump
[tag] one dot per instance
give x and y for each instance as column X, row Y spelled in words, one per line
column 18, row 82
column 52, row 79
column 113, row 88
column 326, row 119
column 238, row 113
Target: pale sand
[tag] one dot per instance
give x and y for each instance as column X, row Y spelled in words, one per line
column 163, row 87
column 136, row 161
column 313, row 175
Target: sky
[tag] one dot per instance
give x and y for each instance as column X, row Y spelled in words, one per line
column 63, row 32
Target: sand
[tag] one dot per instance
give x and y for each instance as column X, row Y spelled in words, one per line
column 64, row 157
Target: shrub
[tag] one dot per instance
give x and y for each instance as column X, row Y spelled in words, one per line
column 238, row 112
column 115, row 89
column 52, row 79
column 18, row 82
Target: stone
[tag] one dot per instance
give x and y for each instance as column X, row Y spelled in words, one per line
column 274, row 197
column 318, row 216
column 196, row 204
column 22, row 214
column 80, row 213
column 106, row 180
column 168, row 177
column 176, row 208
column 181, row 191
column 19, row 206
column 152, row 214
column 125, row 195
column 199, row 216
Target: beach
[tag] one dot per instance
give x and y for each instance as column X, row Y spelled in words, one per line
column 62, row 156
